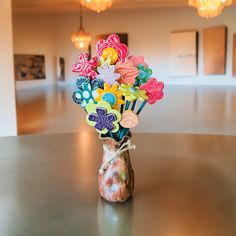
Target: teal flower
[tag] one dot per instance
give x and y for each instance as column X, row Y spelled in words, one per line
column 144, row 74
column 85, row 95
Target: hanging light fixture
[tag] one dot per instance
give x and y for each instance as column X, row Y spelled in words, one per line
column 97, row 5
column 209, row 8
column 80, row 38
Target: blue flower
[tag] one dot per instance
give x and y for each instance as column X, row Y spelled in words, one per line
column 97, row 83
column 81, row 80
column 75, row 99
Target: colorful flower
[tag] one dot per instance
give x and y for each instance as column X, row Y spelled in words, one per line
column 111, row 95
column 129, row 119
column 110, row 56
column 75, row 99
column 81, row 80
column 107, row 74
column 84, row 66
column 140, row 94
column 128, row 91
column 128, row 72
column 144, row 75
column 103, row 117
column 137, row 60
column 132, row 93
column 97, row 83
column 154, row 90
column 85, row 95
column 113, row 41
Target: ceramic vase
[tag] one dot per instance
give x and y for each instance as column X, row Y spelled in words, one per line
column 116, row 175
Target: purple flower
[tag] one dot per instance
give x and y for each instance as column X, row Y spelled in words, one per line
column 102, row 119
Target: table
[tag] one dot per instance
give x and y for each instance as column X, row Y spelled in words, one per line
column 185, row 185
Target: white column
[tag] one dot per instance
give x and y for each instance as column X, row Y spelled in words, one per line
column 7, row 84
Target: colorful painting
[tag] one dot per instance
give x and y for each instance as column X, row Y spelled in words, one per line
column 183, row 53
column 215, row 50
column 61, row 69
column 123, row 37
column 29, row 67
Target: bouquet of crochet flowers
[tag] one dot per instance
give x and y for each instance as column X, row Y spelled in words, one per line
column 113, row 89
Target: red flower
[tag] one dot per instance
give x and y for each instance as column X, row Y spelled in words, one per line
column 154, row 90
column 85, row 67
column 113, row 41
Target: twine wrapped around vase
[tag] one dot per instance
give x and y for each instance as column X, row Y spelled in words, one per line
column 116, row 175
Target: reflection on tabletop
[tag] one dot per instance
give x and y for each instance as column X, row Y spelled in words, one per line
column 115, row 219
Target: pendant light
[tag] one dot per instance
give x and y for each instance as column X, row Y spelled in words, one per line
column 97, row 5
column 209, row 8
column 80, row 38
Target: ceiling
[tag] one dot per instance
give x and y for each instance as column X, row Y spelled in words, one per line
column 72, row 5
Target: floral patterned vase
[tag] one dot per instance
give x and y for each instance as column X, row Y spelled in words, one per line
column 116, row 175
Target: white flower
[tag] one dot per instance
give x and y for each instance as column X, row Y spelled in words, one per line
column 107, row 74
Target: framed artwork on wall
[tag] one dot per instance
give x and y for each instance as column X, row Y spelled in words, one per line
column 183, row 53
column 234, row 55
column 123, row 37
column 61, row 69
column 215, row 50
column 29, row 67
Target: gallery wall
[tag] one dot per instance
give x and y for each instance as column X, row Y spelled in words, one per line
column 7, row 88
column 148, row 32
column 36, row 35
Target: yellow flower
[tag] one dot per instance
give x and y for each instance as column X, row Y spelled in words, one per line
column 111, row 95
column 133, row 93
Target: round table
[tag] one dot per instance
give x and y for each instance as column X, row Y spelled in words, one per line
column 184, row 185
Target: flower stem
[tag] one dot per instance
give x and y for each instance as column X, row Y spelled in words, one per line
column 141, row 107
column 133, row 105
column 122, row 106
column 121, row 134
column 127, row 105
column 111, row 134
column 126, row 132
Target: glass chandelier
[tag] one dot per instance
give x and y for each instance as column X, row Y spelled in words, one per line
column 80, row 38
column 209, row 8
column 97, row 5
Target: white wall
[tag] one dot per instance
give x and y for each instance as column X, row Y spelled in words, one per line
column 36, row 35
column 148, row 31
column 7, row 89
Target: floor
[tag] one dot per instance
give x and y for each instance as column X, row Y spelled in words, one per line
column 185, row 109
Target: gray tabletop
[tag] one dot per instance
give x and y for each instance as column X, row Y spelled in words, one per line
column 185, row 185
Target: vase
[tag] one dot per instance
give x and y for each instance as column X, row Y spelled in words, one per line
column 116, row 175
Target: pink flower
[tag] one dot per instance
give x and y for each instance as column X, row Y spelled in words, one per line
column 113, row 41
column 154, row 90
column 128, row 72
column 85, row 67
column 138, row 60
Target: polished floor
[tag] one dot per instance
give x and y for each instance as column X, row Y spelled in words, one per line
column 185, row 185
column 185, row 109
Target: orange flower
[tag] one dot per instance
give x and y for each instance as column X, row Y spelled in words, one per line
column 128, row 72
